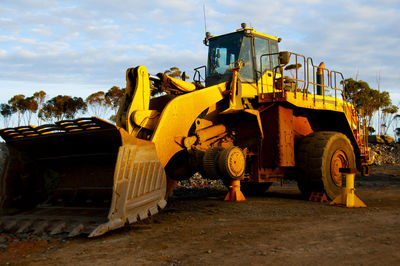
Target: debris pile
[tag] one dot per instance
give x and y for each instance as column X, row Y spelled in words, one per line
column 197, row 186
column 380, row 139
column 383, row 154
column 197, row 181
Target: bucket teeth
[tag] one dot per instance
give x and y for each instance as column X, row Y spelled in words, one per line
column 51, row 226
column 146, row 211
column 153, row 210
column 143, row 214
column 89, row 228
column 25, row 226
column 132, row 219
column 21, row 224
column 162, row 203
column 58, row 228
column 77, row 230
column 41, row 227
column 10, row 225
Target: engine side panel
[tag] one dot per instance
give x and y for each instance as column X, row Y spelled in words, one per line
column 278, row 142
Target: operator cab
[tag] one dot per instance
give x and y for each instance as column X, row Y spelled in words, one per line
column 245, row 44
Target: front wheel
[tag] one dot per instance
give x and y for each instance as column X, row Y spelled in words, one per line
column 318, row 160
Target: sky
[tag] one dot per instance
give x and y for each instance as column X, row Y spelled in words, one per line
column 80, row 47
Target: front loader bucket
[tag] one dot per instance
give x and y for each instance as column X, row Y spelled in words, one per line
column 78, row 176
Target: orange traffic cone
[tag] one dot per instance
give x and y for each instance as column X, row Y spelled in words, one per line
column 234, row 193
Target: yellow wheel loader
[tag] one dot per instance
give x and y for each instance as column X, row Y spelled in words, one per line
column 256, row 115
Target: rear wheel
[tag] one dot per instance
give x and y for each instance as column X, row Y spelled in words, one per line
column 318, row 160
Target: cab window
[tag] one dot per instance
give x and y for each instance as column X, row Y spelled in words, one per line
column 275, row 51
column 223, row 51
column 246, row 74
column 262, row 48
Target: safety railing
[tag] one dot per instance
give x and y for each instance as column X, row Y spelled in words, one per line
column 319, row 75
column 197, row 77
column 305, row 79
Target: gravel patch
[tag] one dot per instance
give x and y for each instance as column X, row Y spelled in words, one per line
column 384, row 154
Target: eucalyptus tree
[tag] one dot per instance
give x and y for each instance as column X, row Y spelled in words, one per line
column 98, row 103
column 18, row 105
column 6, row 112
column 62, row 107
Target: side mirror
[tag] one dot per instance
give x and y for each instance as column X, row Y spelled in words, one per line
column 284, row 58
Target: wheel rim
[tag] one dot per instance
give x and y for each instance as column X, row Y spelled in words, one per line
column 236, row 162
column 339, row 160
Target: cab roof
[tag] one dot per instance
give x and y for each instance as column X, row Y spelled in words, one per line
column 250, row 31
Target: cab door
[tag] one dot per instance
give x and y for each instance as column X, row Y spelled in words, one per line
column 264, row 65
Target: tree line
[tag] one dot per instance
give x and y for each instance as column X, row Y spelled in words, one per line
column 22, row 110
column 370, row 102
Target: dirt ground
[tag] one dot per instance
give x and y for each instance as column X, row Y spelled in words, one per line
column 199, row 228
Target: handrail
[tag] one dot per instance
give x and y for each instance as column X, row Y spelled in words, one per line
column 333, row 82
column 197, row 72
column 297, row 80
column 331, row 79
column 323, row 86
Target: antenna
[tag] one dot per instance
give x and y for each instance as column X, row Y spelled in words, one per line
column 205, row 20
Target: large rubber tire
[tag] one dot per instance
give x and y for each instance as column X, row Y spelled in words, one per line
column 318, row 159
column 210, row 163
column 232, row 163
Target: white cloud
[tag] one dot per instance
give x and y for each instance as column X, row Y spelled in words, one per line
column 29, row 4
column 43, row 31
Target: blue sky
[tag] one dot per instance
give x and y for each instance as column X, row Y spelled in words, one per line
column 80, row 47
